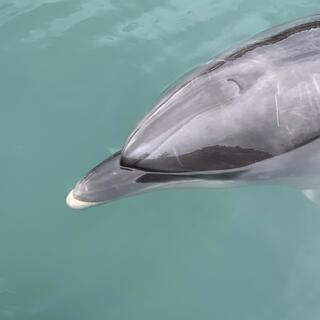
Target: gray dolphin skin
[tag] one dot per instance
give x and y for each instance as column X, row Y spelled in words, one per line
column 250, row 116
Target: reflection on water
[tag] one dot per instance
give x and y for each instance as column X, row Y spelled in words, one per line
column 10, row 10
column 75, row 78
column 58, row 26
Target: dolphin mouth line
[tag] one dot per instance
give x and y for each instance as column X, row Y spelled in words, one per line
column 74, row 203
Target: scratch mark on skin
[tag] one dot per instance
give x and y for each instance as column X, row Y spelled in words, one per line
column 316, row 84
column 259, row 60
column 300, row 96
column 177, row 156
column 298, row 114
column 277, row 105
column 309, row 96
column 289, row 130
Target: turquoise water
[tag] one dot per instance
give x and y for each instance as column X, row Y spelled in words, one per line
column 75, row 77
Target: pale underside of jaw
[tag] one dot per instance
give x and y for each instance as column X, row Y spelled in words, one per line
column 74, row 203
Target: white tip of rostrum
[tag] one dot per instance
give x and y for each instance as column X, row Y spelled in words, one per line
column 73, row 203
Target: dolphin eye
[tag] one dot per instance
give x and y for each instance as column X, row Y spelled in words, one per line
column 236, row 83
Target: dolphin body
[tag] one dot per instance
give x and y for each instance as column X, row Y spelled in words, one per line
column 249, row 116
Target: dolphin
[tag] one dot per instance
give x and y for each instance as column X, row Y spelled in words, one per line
column 250, row 116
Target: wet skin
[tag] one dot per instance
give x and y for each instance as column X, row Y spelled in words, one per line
column 248, row 111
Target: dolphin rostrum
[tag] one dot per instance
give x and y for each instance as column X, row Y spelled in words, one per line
column 249, row 116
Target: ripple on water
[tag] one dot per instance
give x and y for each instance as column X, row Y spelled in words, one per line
column 59, row 26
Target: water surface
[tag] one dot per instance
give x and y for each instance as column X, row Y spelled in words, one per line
column 75, row 77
